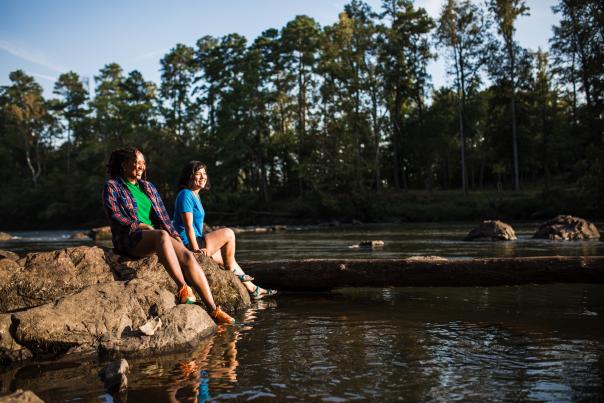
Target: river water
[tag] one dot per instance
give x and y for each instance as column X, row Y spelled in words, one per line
column 520, row 343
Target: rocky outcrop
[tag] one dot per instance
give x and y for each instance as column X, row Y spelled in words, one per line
column 89, row 299
column 43, row 277
column 567, row 228
column 492, row 230
column 5, row 237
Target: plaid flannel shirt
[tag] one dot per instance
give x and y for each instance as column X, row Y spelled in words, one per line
column 120, row 207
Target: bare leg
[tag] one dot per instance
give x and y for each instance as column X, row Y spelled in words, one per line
column 158, row 241
column 192, row 271
column 221, row 244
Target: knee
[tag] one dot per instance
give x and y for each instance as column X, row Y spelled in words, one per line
column 189, row 259
column 163, row 237
column 230, row 235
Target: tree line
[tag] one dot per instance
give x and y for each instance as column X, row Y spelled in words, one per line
column 309, row 115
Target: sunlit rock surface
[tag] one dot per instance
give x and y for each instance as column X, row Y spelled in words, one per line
column 492, row 230
column 567, row 228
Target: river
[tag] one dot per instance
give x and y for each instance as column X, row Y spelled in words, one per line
column 519, row 343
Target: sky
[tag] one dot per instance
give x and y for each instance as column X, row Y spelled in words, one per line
column 47, row 38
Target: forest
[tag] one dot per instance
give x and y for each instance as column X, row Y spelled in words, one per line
column 310, row 123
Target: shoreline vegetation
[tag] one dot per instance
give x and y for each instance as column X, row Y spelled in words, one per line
column 386, row 207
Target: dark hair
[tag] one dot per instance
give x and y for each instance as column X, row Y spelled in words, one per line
column 118, row 157
column 188, row 172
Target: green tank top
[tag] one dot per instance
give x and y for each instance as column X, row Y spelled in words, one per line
column 143, row 203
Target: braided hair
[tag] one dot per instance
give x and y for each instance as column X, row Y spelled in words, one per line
column 118, row 157
column 188, row 173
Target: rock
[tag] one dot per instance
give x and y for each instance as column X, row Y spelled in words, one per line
column 427, row 259
column 100, row 233
column 369, row 244
column 493, row 230
column 79, row 236
column 183, row 327
column 6, row 254
column 114, row 375
column 357, row 222
column 21, row 396
column 152, row 326
column 10, row 350
column 5, row 237
column 110, row 314
column 567, row 227
column 42, row 277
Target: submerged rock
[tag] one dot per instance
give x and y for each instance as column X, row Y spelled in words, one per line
column 114, row 375
column 21, row 396
column 567, row 228
column 493, row 230
column 79, row 236
column 369, row 244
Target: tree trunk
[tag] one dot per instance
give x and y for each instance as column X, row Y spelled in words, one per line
column 323, row 274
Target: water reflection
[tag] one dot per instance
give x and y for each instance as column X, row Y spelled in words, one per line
column 523, row 343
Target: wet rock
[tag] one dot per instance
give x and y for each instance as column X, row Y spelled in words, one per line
column 5, row 237
column 567, row 228
column 493, row 230
column 100, row 233
column 428, row 259
column 10, row 350
column 115, row 375
column 376, row 244
column 42, row 277
column 183, row 327
column 21, row 396
column 79, row 236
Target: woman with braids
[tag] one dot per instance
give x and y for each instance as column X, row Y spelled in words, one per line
column 188, row 221
column 140, row 226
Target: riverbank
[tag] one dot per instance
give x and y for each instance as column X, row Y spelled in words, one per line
column 316, row 208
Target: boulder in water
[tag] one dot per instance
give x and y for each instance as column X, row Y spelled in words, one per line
column 5, row 237
column 567, row 228
column 100, row 233
column 492, row 230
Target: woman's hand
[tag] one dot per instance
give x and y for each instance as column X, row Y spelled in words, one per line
column 203, row 251
column 145, row 227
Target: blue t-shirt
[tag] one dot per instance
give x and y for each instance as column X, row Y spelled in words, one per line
column 188, row 202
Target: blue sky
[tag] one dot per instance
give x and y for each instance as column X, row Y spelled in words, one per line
column 47, row 38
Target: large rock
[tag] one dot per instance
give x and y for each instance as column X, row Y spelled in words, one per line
column 43, row 277
column 567, row 228
column 5, row 237
column 111, row 314
column 492, row 230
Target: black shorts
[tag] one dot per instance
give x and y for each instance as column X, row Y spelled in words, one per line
column 201, row 243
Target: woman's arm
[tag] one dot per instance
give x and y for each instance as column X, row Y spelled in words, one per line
column 112, row 207
column 187, row 220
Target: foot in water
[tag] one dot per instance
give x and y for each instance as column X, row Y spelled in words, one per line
column 260, row 293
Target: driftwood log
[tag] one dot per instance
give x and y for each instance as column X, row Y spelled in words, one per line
column 325, row 274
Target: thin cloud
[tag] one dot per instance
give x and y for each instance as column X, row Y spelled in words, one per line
column 44, row 77
column 27, row 56
column 153, row 53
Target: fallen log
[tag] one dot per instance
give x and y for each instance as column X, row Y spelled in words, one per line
column 325, row 274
